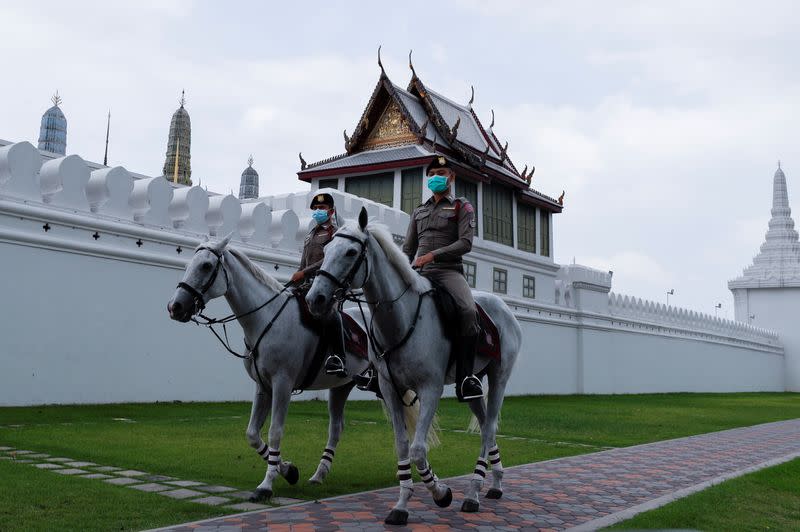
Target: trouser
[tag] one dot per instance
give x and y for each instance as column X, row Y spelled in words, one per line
column 454, row 283
column 332, row 332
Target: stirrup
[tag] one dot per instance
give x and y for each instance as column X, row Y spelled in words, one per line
column 335, row 366
column 367, row 381
column 470, row 389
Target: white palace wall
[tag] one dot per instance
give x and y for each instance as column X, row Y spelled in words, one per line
column 90, row 258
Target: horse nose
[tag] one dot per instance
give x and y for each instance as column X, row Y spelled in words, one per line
column 174, row 308
column 320, row 300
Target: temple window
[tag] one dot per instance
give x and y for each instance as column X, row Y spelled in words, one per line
column 470, row 273
column 500, row 281
column 526, row 228
column 376, row 187
column 528, row 286
column 545, row 233
column 410, row 189
column 498, row 217
column 329, row 183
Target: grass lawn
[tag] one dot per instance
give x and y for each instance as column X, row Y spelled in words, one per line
column 764, row 500
column 206, row 442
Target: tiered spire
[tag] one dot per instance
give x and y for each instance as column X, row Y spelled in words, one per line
column 778, row 263
column 178, row 162
column 248, row 186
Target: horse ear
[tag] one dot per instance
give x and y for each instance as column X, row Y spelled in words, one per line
column 224, row 242
column 362, row 218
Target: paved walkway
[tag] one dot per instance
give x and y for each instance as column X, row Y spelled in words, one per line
column 581, row 492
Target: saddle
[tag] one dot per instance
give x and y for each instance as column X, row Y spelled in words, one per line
column 488, row 336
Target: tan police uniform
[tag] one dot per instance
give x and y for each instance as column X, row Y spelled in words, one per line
column 446, row 230
column 316, row 239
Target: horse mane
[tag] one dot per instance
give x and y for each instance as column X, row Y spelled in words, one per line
column 396, row 257
column 256, row 270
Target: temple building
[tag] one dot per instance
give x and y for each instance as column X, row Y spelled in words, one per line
column 53, row 131
column 398, row 135
column 248, row 187
column 767, row 294
column 178, row 164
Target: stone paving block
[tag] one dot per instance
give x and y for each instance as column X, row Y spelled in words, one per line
column 215, row 489
column 122, row 481
column 184, row 483
column 283, row 501
column 6, row 448
column 107, row 469
column 130, row 473
column 60, row 460
column 244, row 495
column 182, row 493
column 98, row 476
column 247, row 506
column 25, row 461
column 157, row 478
column 19, row 452
column 48, row 466
column 70, row 471
column 38, row 455
column 150, row 487
column 211, row 501
column 79, row 464
column 5, row 458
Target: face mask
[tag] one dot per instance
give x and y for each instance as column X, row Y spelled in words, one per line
column 320, row 216
column 437, row 183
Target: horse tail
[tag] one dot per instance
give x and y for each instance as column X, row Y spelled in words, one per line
column 411, row 416
column 475, row 425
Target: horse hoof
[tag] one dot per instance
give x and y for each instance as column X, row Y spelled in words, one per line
column 397, row 517
column 445, row 501
column 292, row 475
column 470, row 506
column 315, row 481
column 494, row 493
column 260, row 495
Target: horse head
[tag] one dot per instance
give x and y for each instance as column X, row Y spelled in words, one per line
column 205, row 279
column 344, row 266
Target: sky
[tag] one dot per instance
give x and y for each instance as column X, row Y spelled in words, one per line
column 662, row 121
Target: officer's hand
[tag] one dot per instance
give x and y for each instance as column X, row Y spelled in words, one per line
column 423, row 260
column 298, row 276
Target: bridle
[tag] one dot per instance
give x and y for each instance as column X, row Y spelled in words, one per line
column 199, row 295
column 343, row 286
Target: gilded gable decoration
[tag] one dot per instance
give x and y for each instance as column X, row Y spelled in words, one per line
column 391, row 128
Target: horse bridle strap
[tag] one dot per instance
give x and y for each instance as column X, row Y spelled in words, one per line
column 199, row 295
column 345, row 283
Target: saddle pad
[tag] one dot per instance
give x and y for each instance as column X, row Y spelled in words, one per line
column 489, row 340
column 355, row 337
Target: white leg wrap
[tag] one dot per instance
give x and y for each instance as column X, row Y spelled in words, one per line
column 427, row 476
column 480, row 470
column 494, row 459
column 404, row 473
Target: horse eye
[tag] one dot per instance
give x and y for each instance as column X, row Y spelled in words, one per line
column 350, row 253
column 206, row 266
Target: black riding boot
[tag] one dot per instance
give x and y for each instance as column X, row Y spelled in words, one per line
column 335, row 363
column 468, row 386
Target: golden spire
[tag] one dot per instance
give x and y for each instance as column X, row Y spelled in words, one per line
column 177, row 157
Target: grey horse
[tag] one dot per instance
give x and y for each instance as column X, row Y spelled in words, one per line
column 415, row 352
column 283, row 354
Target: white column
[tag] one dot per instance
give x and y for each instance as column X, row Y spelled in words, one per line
column 340, row 185
column 397, row 194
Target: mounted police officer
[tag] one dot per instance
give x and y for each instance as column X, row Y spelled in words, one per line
column 323, row 212
column 439, row 234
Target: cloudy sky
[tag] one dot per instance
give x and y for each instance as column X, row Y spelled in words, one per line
column 663, row 121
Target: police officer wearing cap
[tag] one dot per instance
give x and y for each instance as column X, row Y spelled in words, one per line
column 439, row 234
column 323, row 212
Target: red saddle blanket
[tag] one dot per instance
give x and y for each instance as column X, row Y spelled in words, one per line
column 489, row 337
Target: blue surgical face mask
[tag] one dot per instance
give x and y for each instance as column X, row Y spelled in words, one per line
column 437, row 183
column 320, row 215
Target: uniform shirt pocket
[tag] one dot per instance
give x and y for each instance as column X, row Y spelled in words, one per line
column 443, row 219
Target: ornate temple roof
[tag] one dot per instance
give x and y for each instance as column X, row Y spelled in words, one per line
column 179, row 144
column 404, row 127
column 778, row 262
column 53, row 131
column 248, row 186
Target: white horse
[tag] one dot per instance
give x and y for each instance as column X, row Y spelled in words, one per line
column 414, row 352
column 283, row 348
